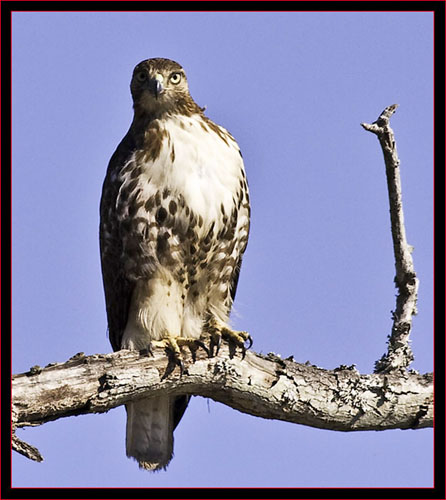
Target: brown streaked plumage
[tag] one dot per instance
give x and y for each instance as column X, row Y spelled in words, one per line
column 174, row 226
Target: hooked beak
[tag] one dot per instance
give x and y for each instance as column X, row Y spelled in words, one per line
column 156, row 87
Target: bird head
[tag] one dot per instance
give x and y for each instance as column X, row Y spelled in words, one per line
column 160, row 86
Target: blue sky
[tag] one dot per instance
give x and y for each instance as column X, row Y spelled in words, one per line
column 317, row 278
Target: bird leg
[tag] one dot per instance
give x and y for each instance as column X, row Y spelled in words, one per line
column 218, row 330
column 173, row 346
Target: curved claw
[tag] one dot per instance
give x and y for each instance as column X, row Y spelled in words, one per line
column 218, row 344
column 215, row 342
column 193, row 349
column 249, row 339
column 173, row 361
column 244, row 348
column 243, row 351
column 202, row 345
column 179, row 362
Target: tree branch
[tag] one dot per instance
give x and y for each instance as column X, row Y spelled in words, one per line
column 263, row 386
column 399, row 354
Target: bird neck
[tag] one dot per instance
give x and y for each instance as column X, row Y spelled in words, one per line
column 184, row 106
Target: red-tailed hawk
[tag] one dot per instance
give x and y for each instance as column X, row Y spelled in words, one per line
column 174, row 226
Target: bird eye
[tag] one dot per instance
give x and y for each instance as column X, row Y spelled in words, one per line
column 141, row 76
column 175, row 78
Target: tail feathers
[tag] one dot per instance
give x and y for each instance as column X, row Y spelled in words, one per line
column 150, row 432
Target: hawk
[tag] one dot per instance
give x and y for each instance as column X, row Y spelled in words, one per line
column 174, row 223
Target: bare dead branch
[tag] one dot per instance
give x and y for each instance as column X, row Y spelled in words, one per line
column 26, row 449
column 263, row 386
column 399, row 354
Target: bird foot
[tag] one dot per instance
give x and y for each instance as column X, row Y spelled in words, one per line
column 173, row 346
column 234, row 338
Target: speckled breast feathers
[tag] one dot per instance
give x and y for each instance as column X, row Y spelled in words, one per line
column 174, row 224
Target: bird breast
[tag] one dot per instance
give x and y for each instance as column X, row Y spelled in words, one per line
column 199, row 161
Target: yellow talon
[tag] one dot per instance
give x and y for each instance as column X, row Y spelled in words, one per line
column 218, row 330
column 173, row 347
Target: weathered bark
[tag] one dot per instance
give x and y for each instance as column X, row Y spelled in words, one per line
column 264, row 386
column 399, row 354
